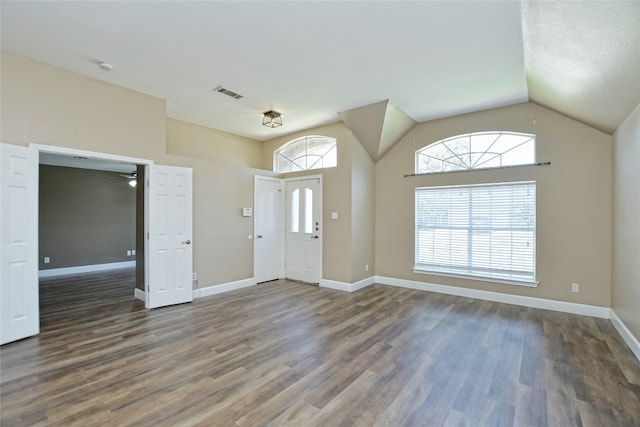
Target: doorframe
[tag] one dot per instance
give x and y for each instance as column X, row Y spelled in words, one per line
column 64, row 151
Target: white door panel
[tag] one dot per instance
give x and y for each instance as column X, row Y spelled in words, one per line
column 268, row 229
column 303, row 236
column 19, row 306
column 170, row 233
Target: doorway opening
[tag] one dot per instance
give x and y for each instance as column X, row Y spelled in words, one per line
column 90, row 224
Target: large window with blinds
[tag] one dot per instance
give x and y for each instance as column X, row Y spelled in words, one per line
column 480, row 231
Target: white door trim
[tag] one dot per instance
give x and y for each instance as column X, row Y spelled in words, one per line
column 52, row 149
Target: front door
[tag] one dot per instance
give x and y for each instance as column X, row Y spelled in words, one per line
column 170, row 261
column 19, row 302
column 303, row 230
column 269, row 229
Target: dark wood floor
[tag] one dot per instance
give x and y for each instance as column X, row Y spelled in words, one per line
column 285, row 353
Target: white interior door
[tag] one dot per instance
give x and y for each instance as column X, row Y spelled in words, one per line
column 268, row 214
column 170, row 261
column 19, row 306
column 303, row 235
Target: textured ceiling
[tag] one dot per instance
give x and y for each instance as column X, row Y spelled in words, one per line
column 583, row 59
column 311, row 60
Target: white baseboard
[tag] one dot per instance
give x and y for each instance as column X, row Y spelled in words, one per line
column 347, row 287
column 139, row 294
column 54, row 272
column 225, row 287
column 565, row 307
column 626, row 334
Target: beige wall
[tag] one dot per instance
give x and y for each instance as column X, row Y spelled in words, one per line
column 573, row 201
column 198, row 142
column 626, row 223
column 362, row 213
column 85, row 217
column 47, row 105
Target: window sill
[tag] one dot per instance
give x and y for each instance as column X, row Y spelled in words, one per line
column 478, row 278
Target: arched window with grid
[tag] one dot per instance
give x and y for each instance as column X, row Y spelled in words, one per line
column 306, row 153
column 480, row 150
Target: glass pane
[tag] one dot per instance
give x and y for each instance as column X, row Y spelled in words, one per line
column 330, row 159
column 520, row 155
column 460, row 147
column 308, row 211
column 295, row 211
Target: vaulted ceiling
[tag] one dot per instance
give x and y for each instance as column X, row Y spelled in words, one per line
column 312, row 60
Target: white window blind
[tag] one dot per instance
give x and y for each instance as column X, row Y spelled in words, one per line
column 486, row 231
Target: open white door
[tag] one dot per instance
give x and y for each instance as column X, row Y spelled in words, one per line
column 19, row 306
column 268, row 214
column 303, row 236
column 170, row 261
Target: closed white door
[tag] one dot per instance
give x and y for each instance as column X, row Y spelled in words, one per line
column 303, row 225
column 268, row 211
column 170, row 261
column 19, row 306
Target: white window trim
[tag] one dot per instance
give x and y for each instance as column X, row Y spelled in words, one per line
column 533, row 284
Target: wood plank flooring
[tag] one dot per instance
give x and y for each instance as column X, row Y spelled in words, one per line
column 285, row 353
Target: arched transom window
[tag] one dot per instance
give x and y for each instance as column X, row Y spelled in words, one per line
column 477, row 151
column 306, row 153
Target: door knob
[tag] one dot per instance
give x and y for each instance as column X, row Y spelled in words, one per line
column 259, row 236
column 186, row 242
column 314, row 237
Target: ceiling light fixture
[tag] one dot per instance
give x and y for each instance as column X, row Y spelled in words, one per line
column 272, row 119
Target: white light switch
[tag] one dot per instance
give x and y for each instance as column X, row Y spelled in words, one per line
column 47, row 260
column 247, row 212
column 334, row 215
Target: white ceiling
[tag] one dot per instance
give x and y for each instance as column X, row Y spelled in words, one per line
column 311, row 60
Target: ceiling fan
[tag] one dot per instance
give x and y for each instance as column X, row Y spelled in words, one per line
column 132, row 177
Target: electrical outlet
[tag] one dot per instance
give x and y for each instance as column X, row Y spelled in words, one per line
column 366, row 267
column 133, row 252
column 128, row 253
column 47, row 260
column 575, row 287
column 195, row 276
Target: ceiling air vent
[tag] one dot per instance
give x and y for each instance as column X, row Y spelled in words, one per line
column 227, row 92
